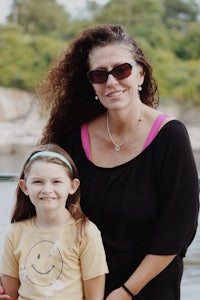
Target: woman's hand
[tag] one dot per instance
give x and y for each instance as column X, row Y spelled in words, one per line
column 118, row 294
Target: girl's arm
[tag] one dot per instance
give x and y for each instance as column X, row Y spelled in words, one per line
column 10, row 286
column 94, row 288
column 2, row 295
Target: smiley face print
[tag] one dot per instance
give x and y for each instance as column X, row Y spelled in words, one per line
column 43, row 264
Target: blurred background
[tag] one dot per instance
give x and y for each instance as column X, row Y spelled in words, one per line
column 32, row 32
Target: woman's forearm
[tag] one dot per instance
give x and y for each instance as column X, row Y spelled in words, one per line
column 148, row 269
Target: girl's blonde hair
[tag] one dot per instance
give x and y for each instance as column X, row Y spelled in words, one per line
column 24, row 209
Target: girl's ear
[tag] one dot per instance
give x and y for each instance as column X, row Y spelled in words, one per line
column 22, row 185
column 74, row 186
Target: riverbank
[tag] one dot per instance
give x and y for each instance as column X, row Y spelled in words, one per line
column 21, row 123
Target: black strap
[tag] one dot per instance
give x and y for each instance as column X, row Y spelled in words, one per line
column 127, row 290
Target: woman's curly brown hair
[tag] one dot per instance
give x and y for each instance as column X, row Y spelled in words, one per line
column 67, row 91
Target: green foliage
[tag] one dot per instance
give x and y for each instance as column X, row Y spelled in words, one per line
column 132, row 13
column 187, row 43
column 177, row 12
column 167, row 30
column 189, row 89
column 25, row 59
column 40, row 17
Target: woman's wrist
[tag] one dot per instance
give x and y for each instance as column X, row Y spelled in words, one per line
column 128, row 291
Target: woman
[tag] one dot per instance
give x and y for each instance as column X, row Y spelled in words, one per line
column 139, row 179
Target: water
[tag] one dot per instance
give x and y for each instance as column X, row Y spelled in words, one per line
column 191, row 278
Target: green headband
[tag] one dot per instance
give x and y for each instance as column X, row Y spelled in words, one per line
column 53, row 154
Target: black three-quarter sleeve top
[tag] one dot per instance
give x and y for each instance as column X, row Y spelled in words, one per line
column 148, row 205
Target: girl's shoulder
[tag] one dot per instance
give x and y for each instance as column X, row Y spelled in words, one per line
column 92, row 229
column 20, row 226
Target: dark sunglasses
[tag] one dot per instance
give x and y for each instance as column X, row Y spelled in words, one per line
column 119, row 72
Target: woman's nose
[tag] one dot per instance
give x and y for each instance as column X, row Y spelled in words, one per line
column 111, row 80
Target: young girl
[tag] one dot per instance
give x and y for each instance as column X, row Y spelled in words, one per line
column 51, row 250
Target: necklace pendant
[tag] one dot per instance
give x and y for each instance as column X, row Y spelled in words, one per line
column 117, row 148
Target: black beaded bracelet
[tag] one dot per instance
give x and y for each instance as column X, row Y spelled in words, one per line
column 127, row 290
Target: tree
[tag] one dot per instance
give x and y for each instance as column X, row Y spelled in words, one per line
column 187, row 45
column 24, row 58
column 138, row 21
column 40, row 17
column 167, row 30
column 180, row 12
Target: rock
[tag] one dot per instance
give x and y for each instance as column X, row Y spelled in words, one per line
column 21, row 124
column 14, row 104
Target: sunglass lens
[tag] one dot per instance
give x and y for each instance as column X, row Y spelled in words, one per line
column 98, row 76
column 122, row 71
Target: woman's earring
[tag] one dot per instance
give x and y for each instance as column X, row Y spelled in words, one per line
column 96, row 97
column 139, row 88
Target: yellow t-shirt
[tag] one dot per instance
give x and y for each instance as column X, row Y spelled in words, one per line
column 52, row 264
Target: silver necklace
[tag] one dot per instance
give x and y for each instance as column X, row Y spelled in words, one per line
column 117, row 147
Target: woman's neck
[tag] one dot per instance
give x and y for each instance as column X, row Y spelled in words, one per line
column 124, row 121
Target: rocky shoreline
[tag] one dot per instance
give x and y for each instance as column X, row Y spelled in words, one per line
column 20, row 121
column 21, row 124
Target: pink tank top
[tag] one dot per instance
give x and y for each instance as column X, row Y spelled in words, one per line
column 152, row 134
column 154, row 130
column 85, row 140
